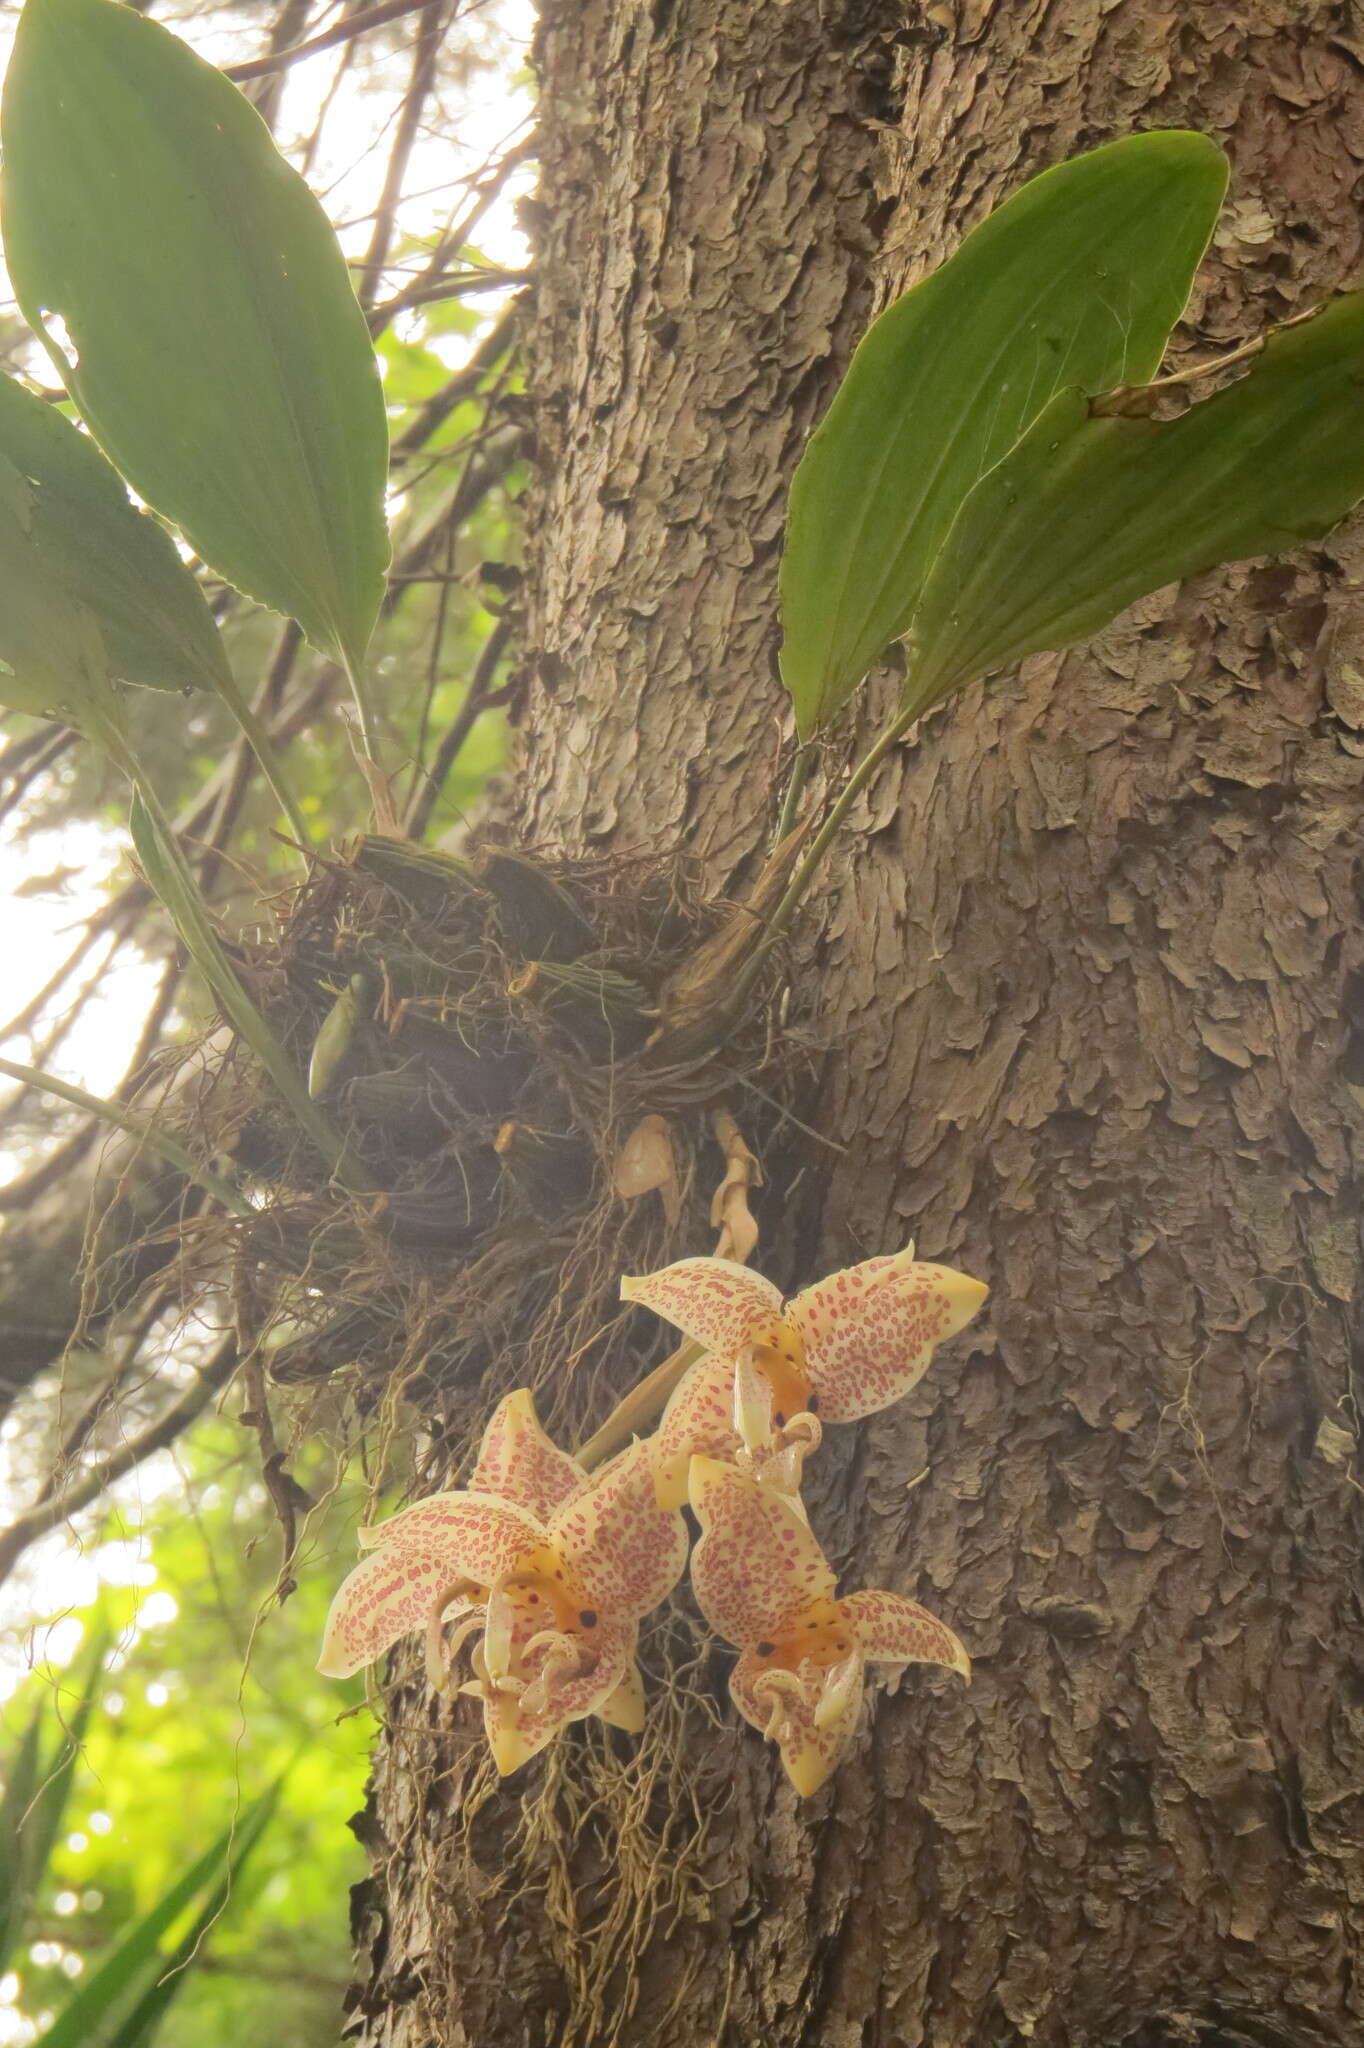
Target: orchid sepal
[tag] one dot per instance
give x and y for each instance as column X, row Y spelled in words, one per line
column 762, row 1581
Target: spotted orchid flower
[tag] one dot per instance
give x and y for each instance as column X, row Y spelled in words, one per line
column 774, row 1372
column 762, row 1582
column 547, row 1570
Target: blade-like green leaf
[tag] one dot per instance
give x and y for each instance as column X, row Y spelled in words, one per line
column 1088, row 514
column 142, row 2021
column 43, row 1822
column 1075, row 281
column 35, row 1800
column 52, row 657
column 75, row 550
column 113, row 559
column 101, row 2006
column 21, row 1785
column 216, row 348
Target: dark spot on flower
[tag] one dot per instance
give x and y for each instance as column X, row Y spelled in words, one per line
column 779, row 1419
column 588, row 1617
column 766, row 1649
column 812, row 1405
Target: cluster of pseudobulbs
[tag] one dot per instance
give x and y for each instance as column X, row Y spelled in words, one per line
column 543, row 1572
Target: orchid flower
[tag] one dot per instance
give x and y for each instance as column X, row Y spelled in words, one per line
column 775, row 1371
column 551, row 1571
column 762, row 1581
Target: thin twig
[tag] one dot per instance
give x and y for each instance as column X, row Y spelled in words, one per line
column 426, row 50
column 475, row 702
column 46, row 1515
column 344, row 32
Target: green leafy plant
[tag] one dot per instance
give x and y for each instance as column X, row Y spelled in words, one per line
column 125, row 1997
column 989, row 482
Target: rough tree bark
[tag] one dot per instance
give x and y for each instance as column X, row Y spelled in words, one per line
column 1083, row 971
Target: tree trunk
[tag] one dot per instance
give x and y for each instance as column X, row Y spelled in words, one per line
column 1082, row 976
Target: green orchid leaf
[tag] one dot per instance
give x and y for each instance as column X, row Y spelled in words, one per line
column 1089, row 513
column 115, row 561
column 1076, row 281
column 52, row 656
column 95, row 588
column 212, row 340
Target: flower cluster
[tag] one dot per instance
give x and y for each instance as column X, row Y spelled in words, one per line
column 546, row 1571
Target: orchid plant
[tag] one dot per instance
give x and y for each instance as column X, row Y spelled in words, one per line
column 547, row 1570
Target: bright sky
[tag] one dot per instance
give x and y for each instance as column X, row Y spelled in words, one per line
column 36, row 930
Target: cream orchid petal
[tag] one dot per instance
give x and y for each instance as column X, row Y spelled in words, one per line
column 699, row 1417
column 519, row 1727
column 383, row 1598
column 623, row 1550
column 389, row 1593
column 757, row 1568
column 810, row 1747
column 871, row 1330
column 892, row 1630
column 442, row 1515
column 517, row 1462
column 715, row 1302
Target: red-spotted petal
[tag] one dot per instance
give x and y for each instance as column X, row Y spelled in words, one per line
column 699, row 1417
column 893, row 1630
column 625, row 1552
column 811, row 1719
column 715, row 1302
column 432, row 1544
column 757, row 1568
column 517, row 1731
column 518, row 1462
column 492, row 1530
column 871, row 1330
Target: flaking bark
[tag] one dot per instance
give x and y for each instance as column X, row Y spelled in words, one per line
column 1084, row 970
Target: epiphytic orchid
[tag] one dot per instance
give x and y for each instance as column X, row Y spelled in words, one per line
column 762, row 1582
column 551, row 1570
column 775, row 1371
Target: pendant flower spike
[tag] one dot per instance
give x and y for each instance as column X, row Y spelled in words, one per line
column 550, row 1570
column 844, row 1348
column 762, row 1581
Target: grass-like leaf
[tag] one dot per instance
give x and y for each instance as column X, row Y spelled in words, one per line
column 37, row 1792
column 122, row 2000
column 1076, row 281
